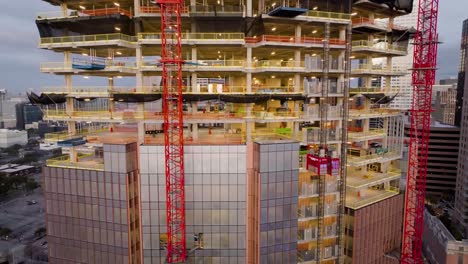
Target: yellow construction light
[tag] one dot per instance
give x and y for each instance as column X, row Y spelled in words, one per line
column 315, row 8
column 290, row 79
column 273, row 77
column 290, row 59
column 219, row 2
column 354, row 13
column 87, row 99
column 219, row 51
column 82, row 7
column 273, row 29
column 273, row 53
column 314, row 31
column 117, row 28
column 118, row 53
column 116, row 4
column 313, row 55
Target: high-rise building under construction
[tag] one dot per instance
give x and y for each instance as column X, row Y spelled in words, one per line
column 272, row 128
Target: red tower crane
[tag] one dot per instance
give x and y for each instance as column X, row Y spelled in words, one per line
column 171, row 61
column 423, row 77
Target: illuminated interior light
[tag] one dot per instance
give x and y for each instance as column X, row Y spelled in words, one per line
column 82, row 7
column 273, row 53
column 290, row 59
column 315, row 8
column 84, row 54
column 116, row 4
column 314, row 31
column 273, row 5
column 352, row 57
column 273, row 76
column 353, row 14
column 86, row 77
column 118, row 53
column 313, row 55
column 119, row 77
column 273, row 29
column 117, row 28
column 219, row 51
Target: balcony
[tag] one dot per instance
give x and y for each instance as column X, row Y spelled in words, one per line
column 381, row 49
column 114, row 39
column 197, row 38
column 376, row 69
column 85, row 162
column 64, row 135
column 198, row 11
column 363, row 160
column 371, row 178
column 366, row 90
column 201, row 65
column 292, row 41
column 339, row 17
column 84, row 13
column 369, row 196
column 157, row 117
column 369, row 135
column 110, row 67
column 372, row 113
column 370, row 25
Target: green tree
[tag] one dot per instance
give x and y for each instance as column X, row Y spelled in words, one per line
column 17, row 180
column 5, row 232
column 5, row 184
column 40, row 232
column 30, row 185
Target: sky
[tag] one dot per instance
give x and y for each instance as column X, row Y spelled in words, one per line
column 20, row 58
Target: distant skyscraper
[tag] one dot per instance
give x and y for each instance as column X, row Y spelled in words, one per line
column 444, row 97
column 461, row 73
column 403, row 84
column 2, row 99
column 27, row 114
column 461, row 194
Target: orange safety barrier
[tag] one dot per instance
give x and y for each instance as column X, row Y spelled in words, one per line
column 106, row 11
column 355, row 129
column 362, row 20
column 157, row 10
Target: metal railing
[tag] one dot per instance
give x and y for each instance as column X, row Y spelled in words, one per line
column 366, row 90
column 89, row 38
column 85, row 12
column 87, row 163
column 109, row 65
column 332, row 15
column 376, row 69
column 371, row 178
column 196, row 36
column 373, row 196
column 292, row 40
column 371, row 158
column 378, row 46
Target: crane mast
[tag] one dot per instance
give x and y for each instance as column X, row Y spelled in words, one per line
column 171, row 61
column 423, row 77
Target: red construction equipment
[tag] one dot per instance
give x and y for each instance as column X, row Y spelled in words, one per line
column 171, row 61
column 424, row 73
